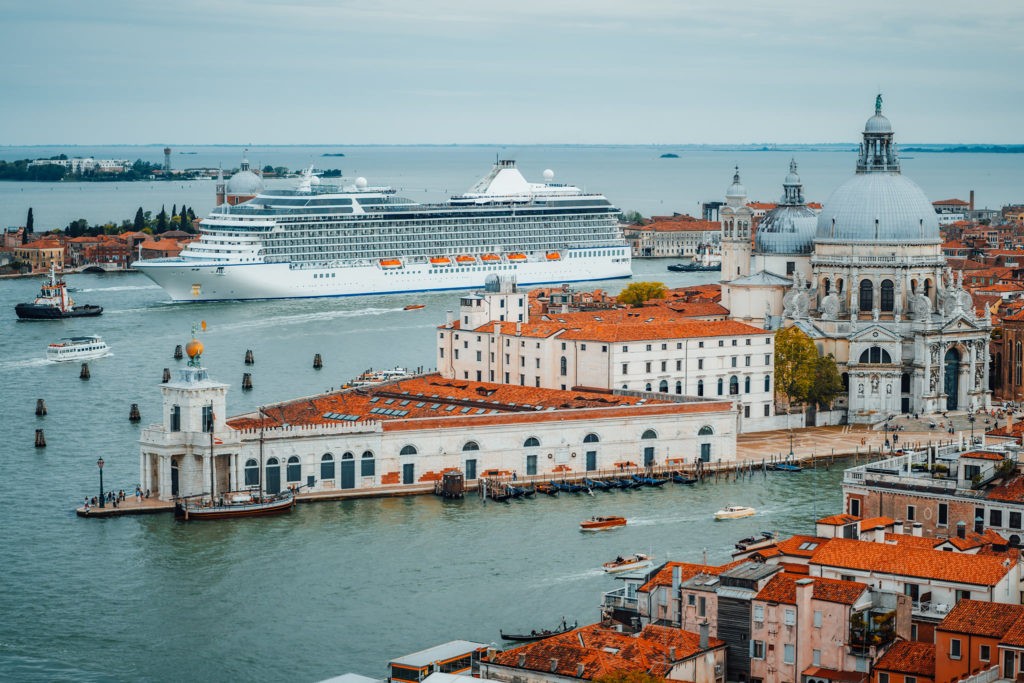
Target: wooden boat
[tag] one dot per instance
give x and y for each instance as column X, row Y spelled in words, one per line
column 238, row 504
column 785, row 467
column 389, row 263
column 547, row 488
column 680, row 478
column 735, row 512
column 627, row 563
column 413, row 307
column 649, row 481
column 539, row 635
column 602, row 523
column 596, row 484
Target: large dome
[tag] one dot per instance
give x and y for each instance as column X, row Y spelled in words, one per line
column 245, row 182
column 899, row 206
column 878, row 124
column 786, row 230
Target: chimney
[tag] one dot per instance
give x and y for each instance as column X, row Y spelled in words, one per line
column 897, row 526
column 579, row 670
column 879, row 534
column 519, row 329
column 676, row 576
column 705, row 631
column 554, row 665
column 491, row 652
column 449, row 318
column 917, row 529
column 961, row 529
column 497, row 328
column 972, row 200
column 672, row 654
column 522, row 661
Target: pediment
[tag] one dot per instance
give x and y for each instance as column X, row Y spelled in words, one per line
column 875, row 334
column 960, row 323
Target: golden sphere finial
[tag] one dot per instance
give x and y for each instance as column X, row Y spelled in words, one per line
column 194, row 348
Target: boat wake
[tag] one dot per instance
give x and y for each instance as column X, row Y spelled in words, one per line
column 123, row 288
column 299, row 318
column 577, row 576
column 25, row 363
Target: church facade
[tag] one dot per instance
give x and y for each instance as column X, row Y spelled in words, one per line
column 872, row 287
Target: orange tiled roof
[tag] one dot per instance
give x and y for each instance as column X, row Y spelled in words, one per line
column 782, row 589
column 973, row 539
column 838, row 520
column 951, row 202
column 988, row 619
column 687, row 570
column 1013, row 490
column 912, row 541
column 907, row 657
column 801, row 546
column 614, row 326
column 984, row 455
column 902, row 560
column 874, row 522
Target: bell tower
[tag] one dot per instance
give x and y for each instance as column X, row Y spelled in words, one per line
column 736, row 219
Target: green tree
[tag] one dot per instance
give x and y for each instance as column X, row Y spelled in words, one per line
column 161, row 220
column 826, row 384
column 268, row 169
column 633, row 218
column 637, row 293
column 30, row 222
column 174, row 211
column 140, row 220
column 795, row 362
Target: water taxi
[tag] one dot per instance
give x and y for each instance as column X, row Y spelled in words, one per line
column 602, row 523
column 77, row 348
column 413, row 307
column 735, row 512
column 627, row 563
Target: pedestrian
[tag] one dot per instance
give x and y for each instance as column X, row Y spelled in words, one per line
column 94, row 501
column 87, row 502
column 147, row 493
column 513, row 475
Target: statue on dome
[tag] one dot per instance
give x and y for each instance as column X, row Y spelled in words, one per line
column 878, row 104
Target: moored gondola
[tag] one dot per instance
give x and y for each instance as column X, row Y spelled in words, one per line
column 564, row 627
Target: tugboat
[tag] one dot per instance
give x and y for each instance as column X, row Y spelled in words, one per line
column 54, row 303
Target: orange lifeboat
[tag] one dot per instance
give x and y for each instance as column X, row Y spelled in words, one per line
column 465, row 259
column 554, row 256
column 490, row 258
column 440, row 261
column 517, row 258
column 390, row 263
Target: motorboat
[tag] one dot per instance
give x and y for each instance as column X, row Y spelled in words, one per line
column 752, row 543
column 602, row 523
column 735, row 512
column 413, row 307
column 627, row 563
column 77, row 348
column 54, row 303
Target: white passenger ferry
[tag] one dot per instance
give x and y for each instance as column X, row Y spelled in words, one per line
column 323, row 240
column 77, row 348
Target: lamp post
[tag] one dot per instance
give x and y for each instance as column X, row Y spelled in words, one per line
column 885, row 429
column 99, row 463
column 790, row 444
column 970, row 418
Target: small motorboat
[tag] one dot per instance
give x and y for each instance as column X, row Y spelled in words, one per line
column 602, row 523
column 752, row 543
column 735, row 512
column 539, row 635
column 627, row 563
column 413, row 307
column 680, row 478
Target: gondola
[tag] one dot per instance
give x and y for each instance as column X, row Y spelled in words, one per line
column 595, row 484
column 683, row 479
column 547, row 488
column 649, row 481
column 539, row 635
column 785, row 467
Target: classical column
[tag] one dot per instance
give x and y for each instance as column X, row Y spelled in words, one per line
column 854, row 295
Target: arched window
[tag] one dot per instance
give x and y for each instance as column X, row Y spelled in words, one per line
column 252, row 472
column 647, row 387
column 875, row 355
column 471, row 446
column 826, row 285
column 867, row 296
column 563, row 366
column 294, row 472
column 721, row 385
column 649, row 434
column 367, row 467
column 767, row 383
column 408, row 450
column 663, row 386
column 1017, row 364
column 905, row 383
column 734, row 385
column 532, row 442
column 591, row 438
column 746, row 385
column 679, row 387
column 700, row 387
column 327, row 466
column 705, row 431
column 913, row 286
column 845, row 377
column 839, row 285
column 887, row 296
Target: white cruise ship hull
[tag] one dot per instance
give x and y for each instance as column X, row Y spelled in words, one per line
column 188, row 280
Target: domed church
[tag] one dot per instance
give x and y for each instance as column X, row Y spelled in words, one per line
column 241, row 187
column 876, row 292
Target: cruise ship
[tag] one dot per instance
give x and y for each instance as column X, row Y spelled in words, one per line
column 321, row 240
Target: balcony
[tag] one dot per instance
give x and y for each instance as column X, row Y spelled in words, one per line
column 989, row 675
column 620, row 599
column 926, row 609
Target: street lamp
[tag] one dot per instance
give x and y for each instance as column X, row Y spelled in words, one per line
column 99, row 463
column 970, row 418
column 790, row 444
column 885, row 429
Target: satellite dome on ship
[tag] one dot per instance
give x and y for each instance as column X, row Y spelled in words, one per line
column 245, row 182
column 878, row 204
column 788, row 228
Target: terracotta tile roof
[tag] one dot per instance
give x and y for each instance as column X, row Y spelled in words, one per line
column 900, row 560
column 875, row 522
column 976, row 618
column 782, row 589
column 648, row 323
column 908, row 657
column 973, row 539
column 951, row 202
column 687, row 570
column 602, row 651
column 1015, row 634
column 801, row 546
column 984, row 455
column 839, row 520
column 912, row 541
column 430, row 401
column 1012, row 490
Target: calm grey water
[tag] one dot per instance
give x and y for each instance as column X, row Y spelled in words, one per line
column 633, row 177
column 334, row 587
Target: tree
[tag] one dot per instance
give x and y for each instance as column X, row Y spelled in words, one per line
column 30, row 222
column 140, row 220
column 826, row 384
column 161, row 220
column 174, row 210
column 637, row 293
column 633, row 218
column 795, row 363
column 268, row 169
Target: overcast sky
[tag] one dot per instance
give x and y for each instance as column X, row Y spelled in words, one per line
column 520, row 71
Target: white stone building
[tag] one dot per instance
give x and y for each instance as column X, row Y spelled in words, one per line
column 402, row 436
column 649, row 349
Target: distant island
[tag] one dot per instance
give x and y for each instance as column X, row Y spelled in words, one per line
column 332, row 154
column 669, row 155
column 972, row 149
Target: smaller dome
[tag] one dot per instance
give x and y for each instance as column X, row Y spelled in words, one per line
column 878, row 124
column 736, row 189
column 786, row 230
column 194, row 348
column 245, row 182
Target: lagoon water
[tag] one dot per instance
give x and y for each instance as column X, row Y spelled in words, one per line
column 334, row 587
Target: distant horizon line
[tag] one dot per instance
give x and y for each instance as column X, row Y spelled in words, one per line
column 729, row 146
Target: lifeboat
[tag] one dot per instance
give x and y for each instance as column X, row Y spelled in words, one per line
column 490, row 258
column 390, row 263
column 440, row 261
column 517, row 258
column 554, row 256
column 465, row 259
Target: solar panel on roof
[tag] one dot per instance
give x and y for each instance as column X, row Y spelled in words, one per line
column 480, row 411
column 435, row 406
